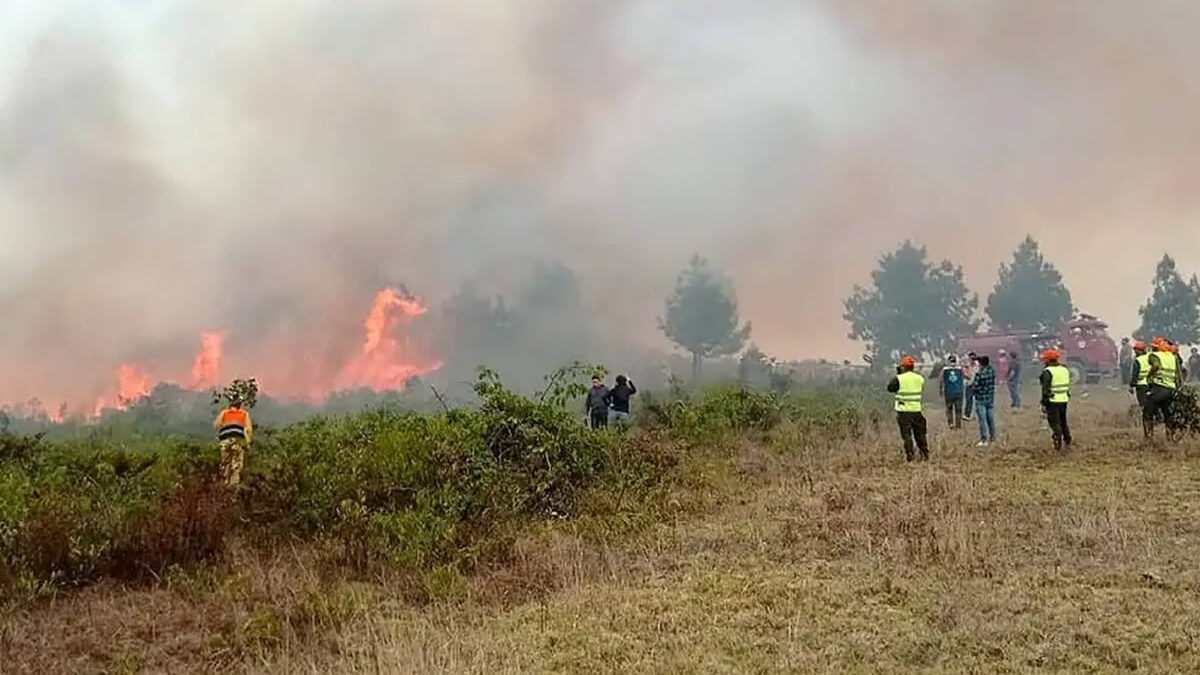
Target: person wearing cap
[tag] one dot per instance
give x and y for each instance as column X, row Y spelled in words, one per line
column 1056, row 395
column 908, row 389
column 1139, row 384
column 950, row 384
column 1165, row 378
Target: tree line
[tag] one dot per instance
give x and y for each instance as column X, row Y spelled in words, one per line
column 917, row 306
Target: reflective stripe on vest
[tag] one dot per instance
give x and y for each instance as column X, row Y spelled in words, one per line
column 1060, row 384
column 233, row 424
column 1168, row 368
column 912, row 387
column 1143, row 362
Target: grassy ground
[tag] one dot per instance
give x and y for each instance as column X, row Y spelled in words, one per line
column 1007, row 559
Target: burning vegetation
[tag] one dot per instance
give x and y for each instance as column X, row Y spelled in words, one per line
column 387, row 357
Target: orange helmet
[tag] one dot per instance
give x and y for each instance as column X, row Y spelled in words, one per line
column 1140, row 346
column 1160, row 344
column 1050, row 355
column 908, row 362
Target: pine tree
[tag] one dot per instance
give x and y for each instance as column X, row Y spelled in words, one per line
column 1173, row 309
column 1029, row 294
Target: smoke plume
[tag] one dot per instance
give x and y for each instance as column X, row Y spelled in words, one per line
column 263, row 169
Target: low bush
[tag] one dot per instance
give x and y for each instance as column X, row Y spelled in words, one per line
column 383, row 487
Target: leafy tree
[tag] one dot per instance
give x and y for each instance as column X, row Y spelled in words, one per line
column 1030, row 294
column 702, row 314
column 912, row 307
column 1173, row 310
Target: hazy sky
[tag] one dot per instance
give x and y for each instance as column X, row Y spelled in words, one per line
column 263, row 166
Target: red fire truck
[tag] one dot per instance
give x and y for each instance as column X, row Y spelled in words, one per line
column 1086, row 347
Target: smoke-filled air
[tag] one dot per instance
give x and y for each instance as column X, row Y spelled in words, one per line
column 327, row 194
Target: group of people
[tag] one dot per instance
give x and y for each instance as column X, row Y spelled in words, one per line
column 603, row 404
column 974, row 385
column 968, row 388
column 1155, row 377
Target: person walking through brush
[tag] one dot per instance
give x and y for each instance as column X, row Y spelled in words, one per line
column 908, row 389
column 1139, row 385
column 619, row 397
column 1056, row 395
column 1165, row 379
column 598, row 400
column 950, row 384
column 985, row 401
column 1014, row 379
column 235, row 431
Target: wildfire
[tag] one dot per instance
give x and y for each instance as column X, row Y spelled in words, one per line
column 387, row 362
column 206, row 367
column 386, row 358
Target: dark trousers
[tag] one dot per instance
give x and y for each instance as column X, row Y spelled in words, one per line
column 1159, row 406
column 598, row 418
column 913, row 428
column 969, row 400
column 1142, row 391
column 1056, row 415
column 954, row 412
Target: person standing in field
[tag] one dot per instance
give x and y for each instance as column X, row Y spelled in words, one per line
column 596, row 406
column 1056, row 395
column 1193, row 365
column 950, row 384
column 1125, row 359
column 235, row 431
column 969, row 367
column 1165, row 379
column 1139, row 384
column 619, row 397
column 908, row 389
column 985, row 401
column 1014, row 379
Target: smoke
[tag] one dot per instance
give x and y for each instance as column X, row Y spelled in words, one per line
column 265, row 168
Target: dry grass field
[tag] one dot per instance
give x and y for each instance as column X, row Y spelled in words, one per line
column 1008, row 559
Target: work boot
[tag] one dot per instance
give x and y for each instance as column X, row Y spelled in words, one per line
column 908, row 456
column 924, row 455
column 1058, row 443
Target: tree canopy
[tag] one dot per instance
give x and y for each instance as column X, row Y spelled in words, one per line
column 1173, row 309
column 912, row 306
column 702, row 314
column 1029, row 294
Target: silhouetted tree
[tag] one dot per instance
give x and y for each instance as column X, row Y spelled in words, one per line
column 702, row 314
column 912, row 307
column 1030, row 294
column 1173, row 309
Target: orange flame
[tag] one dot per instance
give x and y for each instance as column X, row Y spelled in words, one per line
column 206, row 367
column 385, row 361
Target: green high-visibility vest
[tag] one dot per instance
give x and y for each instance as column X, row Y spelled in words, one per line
column 912, row 388
column 1143, row 362
column 1060, row 384
column 1168, row 369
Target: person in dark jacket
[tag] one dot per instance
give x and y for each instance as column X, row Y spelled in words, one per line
column 619, row 397
column 908, row 388
column 598, row 400
column 985, row 401
column 950, row 383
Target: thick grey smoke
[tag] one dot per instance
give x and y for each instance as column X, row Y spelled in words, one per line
column 264, row 167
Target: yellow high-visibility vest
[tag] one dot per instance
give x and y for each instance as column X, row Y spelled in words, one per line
column 1143, row 362
column 912, row 388
column 1060, row 384
column 1168, row 369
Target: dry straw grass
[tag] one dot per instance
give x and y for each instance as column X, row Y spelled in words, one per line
column 845, row 559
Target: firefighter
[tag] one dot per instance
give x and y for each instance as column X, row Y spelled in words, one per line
column 908, row 388
column 1056, row 395
column 1139, row 385
column 1165, row 377
column 234, row 433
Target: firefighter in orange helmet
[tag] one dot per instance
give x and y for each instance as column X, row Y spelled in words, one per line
column 908, row 390
column 1139, row 384
column 235, row 431
column 1056, row 395
column 1166, row 377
